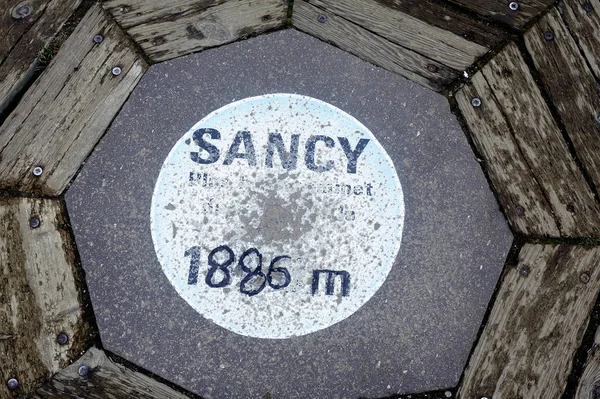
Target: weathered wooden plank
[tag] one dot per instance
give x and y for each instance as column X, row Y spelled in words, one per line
column 65, row 112
column 105, row 379
column 409, row 32
column 583, row 19
column 536, row 325
column 537, row 144
column 499, row 10
column 515, row 183
column 590, row 378
column 371, row 47
column 448, row 18
column 170, row 29
column 573, row 91
column 38, row 294
column 23, row 40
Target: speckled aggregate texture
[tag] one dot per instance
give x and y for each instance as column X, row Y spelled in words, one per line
column 413, row 335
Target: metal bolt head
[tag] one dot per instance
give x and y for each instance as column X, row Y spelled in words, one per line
column 322, row 18
column 432, row 68
column 21, row 10
column 584, row 278
column 513, row 5
column 587, row 7
column 98, row 38
column 62, row 338
column 548, row 36
column 519, row 210
column 83, row 370
column 34, row 222
column 476, row 102
column 12, row 384
column 37, row 171
column 524, row 271
column 116, row 71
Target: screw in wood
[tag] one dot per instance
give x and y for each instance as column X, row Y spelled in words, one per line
column 116, row 71
column 548, row 36
column 98, row 38
column 62, row 338
column 587, row 7
column 12, row 384
column 476, row 102
column 37, row 171
column 83, row 370
column 34, row 222
column 519, row 210
column 432, row 68
column 584, row 278
column 322, row 18
column 513, row 5
column 21, row 11
column 524, row 271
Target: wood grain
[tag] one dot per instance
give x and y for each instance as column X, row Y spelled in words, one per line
column 573, row 91
column 66, row 111
column 498, row 10
column 589, row 384
column 585, row 27
column 407, row 31
column 447, row 17
column 23, row 40
column 514, row 181
column 38, row 294
column 166, row 30
column 371, row 47
column 106, row 379
column 530, row 165
column 536, row 325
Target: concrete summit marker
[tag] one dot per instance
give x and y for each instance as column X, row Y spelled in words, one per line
column 250, row 249
column 277, row 216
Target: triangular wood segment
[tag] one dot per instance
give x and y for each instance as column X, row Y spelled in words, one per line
column 165, row 30
column 95, row 376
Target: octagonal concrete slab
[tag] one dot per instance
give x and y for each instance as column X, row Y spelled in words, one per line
column 411, row 331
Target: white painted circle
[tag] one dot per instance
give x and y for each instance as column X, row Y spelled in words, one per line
column 329, row 215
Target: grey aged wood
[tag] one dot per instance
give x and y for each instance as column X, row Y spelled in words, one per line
column 65, row 112
column 38, row 294
column 539, row 185
column 24, row 39
column 573, row 90
column 585, row 27
column 407, row 31
column 536, row 325
column 447, row 17
column 498, row 10
column 170, row 29
column 106, row 379
column 590, row 378
column 372, row 47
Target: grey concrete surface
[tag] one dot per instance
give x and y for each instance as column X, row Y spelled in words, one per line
column 414, row 335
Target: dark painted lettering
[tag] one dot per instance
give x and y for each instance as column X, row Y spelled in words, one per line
column 234, row 150
column 310, row 153
column 352, row 155
column 213, row 152
column 288, row 159
column 329, row 284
